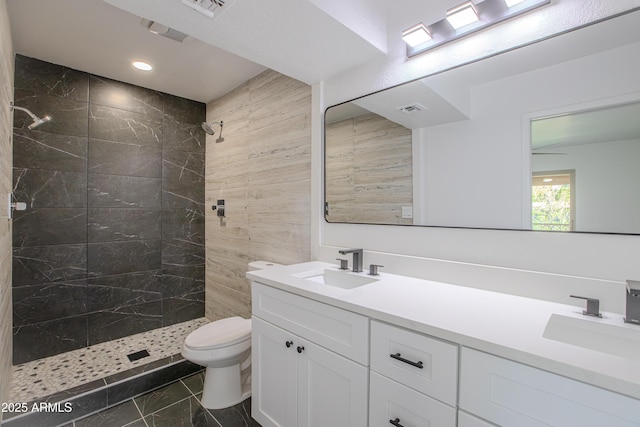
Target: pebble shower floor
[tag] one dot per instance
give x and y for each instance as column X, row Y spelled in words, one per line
column 43, row 377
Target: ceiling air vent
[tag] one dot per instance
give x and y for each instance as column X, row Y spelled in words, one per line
column 412, row 108
column 206, row 7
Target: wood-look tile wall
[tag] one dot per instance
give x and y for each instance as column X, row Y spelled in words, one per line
column 262, row 170
column 369, row 164
column 6, row 95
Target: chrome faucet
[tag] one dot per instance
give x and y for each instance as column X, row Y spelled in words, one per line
column 632, row 314
column 593, row 306
column 357, row 258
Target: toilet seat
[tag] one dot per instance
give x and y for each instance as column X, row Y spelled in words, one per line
column 221, row 333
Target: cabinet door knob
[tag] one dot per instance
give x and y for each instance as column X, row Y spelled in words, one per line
column 396, row 422
column 397, row 356
column 300, row 349
column 288, row 344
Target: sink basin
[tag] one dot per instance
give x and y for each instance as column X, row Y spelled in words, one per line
column 622, row 340
column 338, row 278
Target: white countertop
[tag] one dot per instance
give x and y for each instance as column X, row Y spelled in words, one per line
column 504, row 325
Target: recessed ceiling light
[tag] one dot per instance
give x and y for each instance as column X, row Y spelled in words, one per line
column 547, row 180
column 142, row 66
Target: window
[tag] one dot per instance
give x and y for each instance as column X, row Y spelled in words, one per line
column 553, row 201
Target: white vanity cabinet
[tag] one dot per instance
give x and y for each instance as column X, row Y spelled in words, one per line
column 508, row 393
column 315, row 364
column 413, row 380
column 308, row 363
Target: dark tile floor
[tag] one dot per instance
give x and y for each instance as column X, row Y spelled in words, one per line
column 174, row 405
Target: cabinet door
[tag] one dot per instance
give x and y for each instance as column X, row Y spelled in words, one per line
column 332, row 390
column 394, row 403
column 274, row 381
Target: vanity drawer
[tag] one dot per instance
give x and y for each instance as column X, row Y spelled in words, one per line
column 511, row 394
column 389, row 400
column 342, row 331
column 398, row 354
column 468, row 420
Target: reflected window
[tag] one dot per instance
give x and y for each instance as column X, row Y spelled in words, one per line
column 553, row 201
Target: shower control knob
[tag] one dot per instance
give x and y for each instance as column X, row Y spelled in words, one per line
column 300, row 349
column 288, row 344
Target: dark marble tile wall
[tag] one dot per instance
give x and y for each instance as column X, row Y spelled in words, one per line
column 112, row 241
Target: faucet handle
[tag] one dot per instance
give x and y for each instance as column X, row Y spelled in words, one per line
column 373, row 269
column 344, row 263
column 593, row 306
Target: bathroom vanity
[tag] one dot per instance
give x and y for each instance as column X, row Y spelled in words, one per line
column 333, row 347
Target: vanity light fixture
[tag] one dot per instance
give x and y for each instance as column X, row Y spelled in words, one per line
column 463, row 20
column 416, row 35
column 142, row 66
column 462, row 15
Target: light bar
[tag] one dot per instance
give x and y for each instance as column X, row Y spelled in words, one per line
column 463, row 20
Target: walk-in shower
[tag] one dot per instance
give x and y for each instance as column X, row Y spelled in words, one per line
column 108, row 260
column 208, row 128
column 37, row 121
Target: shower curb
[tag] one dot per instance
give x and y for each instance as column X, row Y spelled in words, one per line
column 70, row 405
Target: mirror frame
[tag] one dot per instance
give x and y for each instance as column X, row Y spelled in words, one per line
column 324, row 141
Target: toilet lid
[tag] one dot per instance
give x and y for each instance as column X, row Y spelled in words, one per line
column 221, row 333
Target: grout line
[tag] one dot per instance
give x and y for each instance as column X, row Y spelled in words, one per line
column 186, row 386
column 200, row 402
column 140, row 412
column 174, row 403
column 209, row 412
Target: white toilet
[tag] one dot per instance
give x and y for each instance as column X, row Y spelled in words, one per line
column 224, row 348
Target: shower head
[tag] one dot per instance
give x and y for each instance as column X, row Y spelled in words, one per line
column 208, row 128
column 37, row 121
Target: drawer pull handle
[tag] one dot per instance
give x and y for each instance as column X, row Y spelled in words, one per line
column 396, row 422
column 300, row 349
column 402, row 359
column 288, row 344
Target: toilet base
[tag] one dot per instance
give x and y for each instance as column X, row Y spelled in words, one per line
column 225, row 387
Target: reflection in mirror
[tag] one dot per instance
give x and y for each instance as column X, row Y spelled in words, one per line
column 465, row 148
column 600, row 149
column 553, row 200
column 369, row 162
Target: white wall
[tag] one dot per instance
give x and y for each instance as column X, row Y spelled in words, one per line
column 588, row 263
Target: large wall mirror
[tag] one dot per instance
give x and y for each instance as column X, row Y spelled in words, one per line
column 544, row 137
